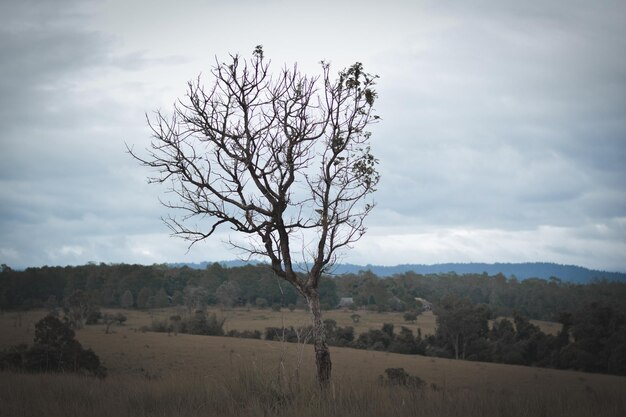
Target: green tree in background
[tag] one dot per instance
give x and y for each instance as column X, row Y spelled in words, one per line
column 161, row 300
column 228, row 293
column 459, row 322
column 127, row 300
column 78, row 308
column 143, row 297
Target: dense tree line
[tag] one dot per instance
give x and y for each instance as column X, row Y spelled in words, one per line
column 533, row 298
column 593, row 339
column 139, row 286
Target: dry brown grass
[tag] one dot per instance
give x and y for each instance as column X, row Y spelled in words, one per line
column 253, row 392
column 259, row 319
column 153, row 374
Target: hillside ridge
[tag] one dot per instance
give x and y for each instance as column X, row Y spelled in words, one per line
column 521, row 271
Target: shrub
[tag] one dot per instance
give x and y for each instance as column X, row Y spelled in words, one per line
column 13, row 357
column 93, row 317
column 54, row 350
column 288, row 334
column 410, row 316
column 404, row 342
column 246, row 334
column 204, row 324
column 337, row 335
column 120, row 318
column 374, row 339
column 343, row 336
column 109, row 319
column 398, row 376
column 160, row 326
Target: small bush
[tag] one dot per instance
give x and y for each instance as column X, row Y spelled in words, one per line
column 374, row 339
column 410, row 316
column 337, row 335
column 399, row 377
column 205, row 324
column 93, row 317
column 54, row 350
column 120, row 318
column 160, row 326
column 110, row 319
column 287, row 334
column 200, row 323
column 246, row 334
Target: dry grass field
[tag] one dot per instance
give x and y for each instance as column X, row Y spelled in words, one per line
column 258, row 319
column 156, row 374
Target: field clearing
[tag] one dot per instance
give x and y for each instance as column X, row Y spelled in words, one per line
column 259, row 319
column 129, row 351
column 246, row 319
column 196, row 372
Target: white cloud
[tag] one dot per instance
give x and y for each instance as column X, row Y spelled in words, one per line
column 443, row 245
column 9, row 254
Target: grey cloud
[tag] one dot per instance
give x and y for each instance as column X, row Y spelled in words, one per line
column 503, row 126
column 64, row 176
column 517, row 118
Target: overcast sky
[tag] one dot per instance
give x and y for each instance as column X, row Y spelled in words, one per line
column 503, row 136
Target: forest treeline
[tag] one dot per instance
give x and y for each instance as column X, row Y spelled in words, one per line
column 593, row 339
column 141, row 286
column 592, row 336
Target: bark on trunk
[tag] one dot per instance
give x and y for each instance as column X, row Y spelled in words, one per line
column 322, row 354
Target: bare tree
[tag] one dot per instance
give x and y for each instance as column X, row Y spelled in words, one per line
column 228, row 293
column 77, row 307
column 284, row 160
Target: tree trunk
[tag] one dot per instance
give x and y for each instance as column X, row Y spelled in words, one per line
column 322, row 354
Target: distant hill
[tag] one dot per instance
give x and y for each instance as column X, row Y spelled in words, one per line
column 543, row 270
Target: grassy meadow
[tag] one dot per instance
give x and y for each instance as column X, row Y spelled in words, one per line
column 259, row 319
column 156, row 374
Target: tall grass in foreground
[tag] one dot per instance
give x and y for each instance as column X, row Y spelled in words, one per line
column 257, row 393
